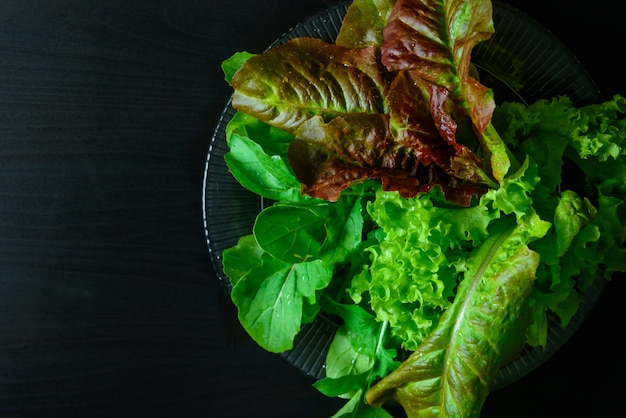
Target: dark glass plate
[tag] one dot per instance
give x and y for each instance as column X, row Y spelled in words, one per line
column 522, row 62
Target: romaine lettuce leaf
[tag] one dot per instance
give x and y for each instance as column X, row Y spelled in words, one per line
column 450, row 374
column 307, row 77
column 364, row 22
column 434, row 39
column 425, row 127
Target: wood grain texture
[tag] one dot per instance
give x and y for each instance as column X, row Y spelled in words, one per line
column 109, row 307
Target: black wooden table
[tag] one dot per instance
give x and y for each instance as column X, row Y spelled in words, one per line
column 109, row 306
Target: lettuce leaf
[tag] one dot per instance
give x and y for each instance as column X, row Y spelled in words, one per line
column 405, row 125
column 364, row 23
column 414, row 268
column 450, row 374
column 307, row 77
column 586, row 206
column 433, row 40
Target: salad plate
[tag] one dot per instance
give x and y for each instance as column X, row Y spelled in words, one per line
column 522, row 62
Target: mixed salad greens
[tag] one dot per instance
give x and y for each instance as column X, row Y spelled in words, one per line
column 440, row 229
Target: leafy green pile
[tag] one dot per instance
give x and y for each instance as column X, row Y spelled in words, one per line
column 440, row 229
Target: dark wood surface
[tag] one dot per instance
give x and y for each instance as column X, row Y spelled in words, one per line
column 109, row 306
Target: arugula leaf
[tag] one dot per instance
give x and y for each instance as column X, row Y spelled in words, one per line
column 232, row 64
column 306, row 231
column 346, row 383
column 291, row 233
column 356, row 408
column 345, row 225
column 344, row 359
column 266, row 175
column 293, row 253
column 353, row 350
column 356, row 357
column 274, row 141
column 269, row 292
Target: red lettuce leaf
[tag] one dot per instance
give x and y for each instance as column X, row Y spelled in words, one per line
column 324, row 176
column 424, row 120
column 409, row 149
column 435, row 38
column 364, row 23
column 307, row 77
column 355, row 120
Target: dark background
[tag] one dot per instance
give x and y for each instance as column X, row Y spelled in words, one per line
column 108, row 303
